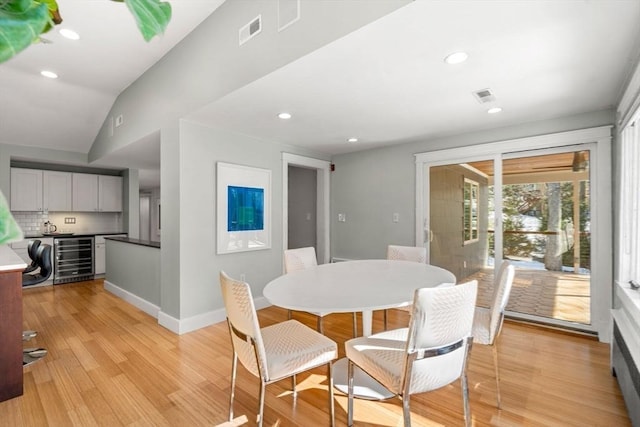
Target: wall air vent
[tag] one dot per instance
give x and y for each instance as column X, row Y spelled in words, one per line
column 250, row 30
column 484, row 95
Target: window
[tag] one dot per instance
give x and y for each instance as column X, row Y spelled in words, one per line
column 470, row 210
column 630, row 201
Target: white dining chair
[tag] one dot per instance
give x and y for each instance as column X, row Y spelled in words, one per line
column 405, row 253
column 301, row 259
column 487, row 322
column 431, row 353
column 275, row 352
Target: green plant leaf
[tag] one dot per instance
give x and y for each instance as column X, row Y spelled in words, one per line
column 15, row 6
column 152, row 16
column 9, row 230
column 19, row 30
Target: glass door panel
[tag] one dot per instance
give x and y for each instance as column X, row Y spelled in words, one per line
column 458, row 233
column 546, row 234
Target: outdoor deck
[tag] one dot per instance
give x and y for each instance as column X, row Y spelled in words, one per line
column 551, row 294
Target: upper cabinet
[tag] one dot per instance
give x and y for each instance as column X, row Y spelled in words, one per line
column 56, row 191
column 97, row 193
column 109, row 193
column 34, row 190
column 26, row 190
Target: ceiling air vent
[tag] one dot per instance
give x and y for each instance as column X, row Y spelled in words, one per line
column 484, row 95
column 250, row 30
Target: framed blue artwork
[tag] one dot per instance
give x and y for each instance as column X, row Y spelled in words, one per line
column 243, row 208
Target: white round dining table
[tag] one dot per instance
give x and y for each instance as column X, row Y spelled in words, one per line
column 355, row 286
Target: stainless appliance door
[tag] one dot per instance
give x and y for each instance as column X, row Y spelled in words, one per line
column 73, row 258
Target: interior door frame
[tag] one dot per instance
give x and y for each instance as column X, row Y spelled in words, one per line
column 600, row 182
column 323, row 171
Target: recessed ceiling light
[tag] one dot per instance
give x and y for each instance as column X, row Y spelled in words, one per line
column 70, row 34
column 284, row 116
column 494, row 110
column 456, row 58
column 49, row 74
column 352, row 140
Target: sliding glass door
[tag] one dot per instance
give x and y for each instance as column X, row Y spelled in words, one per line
column 532, row 208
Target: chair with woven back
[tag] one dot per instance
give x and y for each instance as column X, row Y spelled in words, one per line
column 274, row 352
column 487, row 322
column 431, row 353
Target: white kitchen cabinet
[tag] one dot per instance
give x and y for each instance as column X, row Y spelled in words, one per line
column 109, row 193
column 26, row 190
column 85, row 192
column 97, row 193
column 34, row 190
column 56, row 194
column 100, row 253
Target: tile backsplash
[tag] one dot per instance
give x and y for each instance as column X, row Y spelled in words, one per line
column 85, row 222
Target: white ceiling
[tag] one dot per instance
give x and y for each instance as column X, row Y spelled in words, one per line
column 388, row 83
column 67, row 113
column 385, row 83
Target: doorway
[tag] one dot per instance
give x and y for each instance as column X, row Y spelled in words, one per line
column 321, row 170
column 145, row 218
column 302, row 208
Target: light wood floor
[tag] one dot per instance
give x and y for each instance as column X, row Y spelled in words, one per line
column 110, row 364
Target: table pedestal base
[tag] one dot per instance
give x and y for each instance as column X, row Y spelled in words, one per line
column 364, row 386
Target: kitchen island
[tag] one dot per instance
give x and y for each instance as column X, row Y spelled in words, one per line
column 133, row 272
column 11, row 266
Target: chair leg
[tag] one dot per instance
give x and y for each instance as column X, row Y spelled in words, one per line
column 319, row 325
column 406, row 411
column 261, row 411
column 350, row 393
column 355, row 324
column 234, row 366
column 465, row 400
column 332, row 408
column 289, row 315
column 495, row 364
column 385, row 320
column 293, row 386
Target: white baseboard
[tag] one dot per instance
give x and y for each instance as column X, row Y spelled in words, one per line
column 190, row 324
column 177, row 326
column 142, row 304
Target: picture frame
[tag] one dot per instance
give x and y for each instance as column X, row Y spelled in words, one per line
column 243, row 208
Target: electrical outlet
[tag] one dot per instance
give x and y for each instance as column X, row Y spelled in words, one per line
column 70, row 220
column 342, row 217
column 396, row 217
column 119, row 120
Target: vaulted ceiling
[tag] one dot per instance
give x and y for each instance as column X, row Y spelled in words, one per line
column 386, row 83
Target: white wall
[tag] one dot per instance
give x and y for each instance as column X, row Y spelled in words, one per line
column 190, row 264
column 369, row 186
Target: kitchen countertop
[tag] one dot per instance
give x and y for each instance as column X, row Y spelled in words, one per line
column 81, row 234
column 148, row 243
column 9, row 260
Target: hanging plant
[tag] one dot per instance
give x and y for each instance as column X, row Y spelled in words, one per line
column 9, row 230
column 23, row 21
